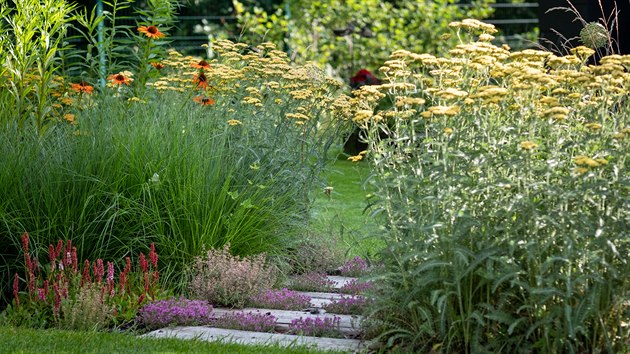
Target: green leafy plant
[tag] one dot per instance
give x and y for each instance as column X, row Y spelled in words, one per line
column 38, row 30
column 502, row 184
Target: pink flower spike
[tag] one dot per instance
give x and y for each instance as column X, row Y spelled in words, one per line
column 110, row 272
column 153, row 256
column 24, row 239
column 16, row 290
column 144, row 265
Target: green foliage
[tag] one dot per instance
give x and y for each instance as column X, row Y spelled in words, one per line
column 28, row 340
column 31, row 59
column 368, row 31
column 503, row 184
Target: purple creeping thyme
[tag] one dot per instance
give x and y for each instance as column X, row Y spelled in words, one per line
column 163, row 313
column 312, row 282
column 284, row 299
column 351, row 305
column 246, row 321
column 355, row 267
column 356, row 287
column 316, row 327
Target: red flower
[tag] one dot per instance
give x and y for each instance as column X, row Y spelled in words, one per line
column 151, row 31
column 201, row 80
column 82, row 87
column 363, row 77
column 201, row 65
column 158, row 66
column 204, row 101
column 119, row 79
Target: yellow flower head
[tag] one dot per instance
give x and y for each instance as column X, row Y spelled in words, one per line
column 234, row 122
column 528, row 145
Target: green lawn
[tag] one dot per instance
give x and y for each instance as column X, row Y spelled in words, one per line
column 342, row 213
column 19, row 340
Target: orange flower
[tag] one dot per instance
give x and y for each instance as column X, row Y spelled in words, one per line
column 201, row 80
column 204, row 101
column 70, row 118
column 151, row 31
column 82, row 87
column 119, row 79
column 201, row 65
column 158, row 66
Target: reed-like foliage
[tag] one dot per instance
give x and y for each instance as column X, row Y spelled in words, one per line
column 503, row 183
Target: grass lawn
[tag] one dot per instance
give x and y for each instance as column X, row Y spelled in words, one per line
column 19, row 340
column 342, row 213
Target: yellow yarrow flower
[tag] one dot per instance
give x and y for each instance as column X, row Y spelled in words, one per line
column 234, row 122
column 356, row 158
column 528, row 145
column 593, row 126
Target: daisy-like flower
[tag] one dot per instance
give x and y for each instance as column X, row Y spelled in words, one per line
column 204, row 101
column 151, row 31
column 119, row 79
column 201, row 65
column 201, row 81
column 157, row 65
column 82, row 87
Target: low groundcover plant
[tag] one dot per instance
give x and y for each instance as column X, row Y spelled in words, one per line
column 316, row 327
column 175, row 311
column 283, row 299
column 246, row 321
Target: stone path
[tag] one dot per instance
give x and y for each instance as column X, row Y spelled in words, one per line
column 349, row 326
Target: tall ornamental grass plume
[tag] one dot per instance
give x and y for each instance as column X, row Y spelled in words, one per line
column 502, row 180
column 226, row 280
column 203, row 153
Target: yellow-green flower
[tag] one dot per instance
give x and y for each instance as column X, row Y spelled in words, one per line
column 528, row 145
column 234, row 122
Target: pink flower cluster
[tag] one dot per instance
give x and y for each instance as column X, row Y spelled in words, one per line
column 355, row 267
column 284, row 299
column 316, row 327
column 246, row 321
column 351, row 305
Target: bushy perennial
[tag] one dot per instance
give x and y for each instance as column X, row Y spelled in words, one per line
column 172, row 312
column 223, row 279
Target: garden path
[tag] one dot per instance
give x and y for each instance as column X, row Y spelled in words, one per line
column 349, row 327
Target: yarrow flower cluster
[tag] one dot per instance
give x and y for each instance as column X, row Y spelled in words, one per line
column 284, row 299
column 163, row 313
column 316, row 327
column 246, row 321
column 355, row 267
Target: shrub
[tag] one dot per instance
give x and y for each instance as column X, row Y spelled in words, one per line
column 280, row 299
column 316, row 327
column 88, row 311
column 223, row 279
column 502, row 181
column 172, row 312
column 246, row 321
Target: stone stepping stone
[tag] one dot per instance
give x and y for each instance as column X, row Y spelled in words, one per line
column 245, row 337
column 348, row 324
column 340, row 281
column 319, row 299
